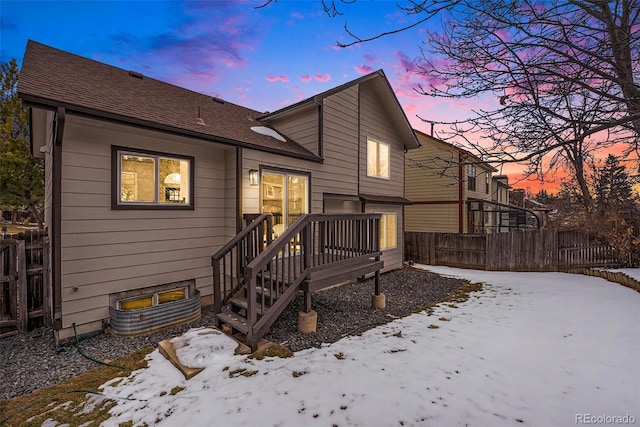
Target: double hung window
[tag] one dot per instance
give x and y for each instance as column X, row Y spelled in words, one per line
column 471, row 177
column 377, row 159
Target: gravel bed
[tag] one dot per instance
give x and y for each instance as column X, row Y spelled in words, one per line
column 31, row 361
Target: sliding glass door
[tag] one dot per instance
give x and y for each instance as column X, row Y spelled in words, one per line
column 285, row 195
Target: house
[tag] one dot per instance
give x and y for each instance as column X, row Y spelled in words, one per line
column 517, row 197
column 442, row 180
column 145, row 181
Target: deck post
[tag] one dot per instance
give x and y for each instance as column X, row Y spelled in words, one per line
column 307, row 301
column 217, row 294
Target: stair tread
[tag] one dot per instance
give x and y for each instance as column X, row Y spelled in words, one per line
column 234, row 320
column 241, row 302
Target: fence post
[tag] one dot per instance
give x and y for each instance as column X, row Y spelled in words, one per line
column 555, row 250
column 22, row 315
column 432, row 248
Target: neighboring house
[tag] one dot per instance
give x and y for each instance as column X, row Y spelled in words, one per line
column 518, row 197
column 440, row 180
column 501, row 187
column 146, row 180
column 500, row 214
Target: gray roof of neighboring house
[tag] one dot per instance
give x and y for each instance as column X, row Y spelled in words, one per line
column 458, row 149
column 50, row 78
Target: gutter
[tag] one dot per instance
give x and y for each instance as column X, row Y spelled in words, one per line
column 36, row 102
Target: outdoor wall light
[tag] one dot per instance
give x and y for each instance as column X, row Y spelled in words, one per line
column 253, row 177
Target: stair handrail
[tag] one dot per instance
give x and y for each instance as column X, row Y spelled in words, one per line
column 258, row 222
column 278, row 244
column 306, row 248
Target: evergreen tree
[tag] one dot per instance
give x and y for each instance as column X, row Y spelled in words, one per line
column 21, row 175
column 613, row 184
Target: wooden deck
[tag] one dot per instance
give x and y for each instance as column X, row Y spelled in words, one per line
column 256, row 281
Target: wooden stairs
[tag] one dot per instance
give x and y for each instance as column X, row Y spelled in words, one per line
column 234, row 314
column 255, row 279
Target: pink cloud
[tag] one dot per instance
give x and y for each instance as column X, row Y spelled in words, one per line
column 503, row 35
column 405, row 62
column 306, row 78
column 321, row 78
column 232, row 25
column 297, row 15
column 241, row 92
column 371, row 59
column 363, row 69
column 280, row 78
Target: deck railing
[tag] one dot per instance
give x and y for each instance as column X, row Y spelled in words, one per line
column 230, row 261
column 312, row 242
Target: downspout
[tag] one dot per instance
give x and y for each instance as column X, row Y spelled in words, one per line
column 239, row 171
column 363, row 204
column 460, row 194
column 320, row 132
column 56, row 219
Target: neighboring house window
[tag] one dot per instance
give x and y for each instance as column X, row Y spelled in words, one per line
column 487, row 183
column 145, row 179
column 388, row 230
column 471, row 177
column 377, row 159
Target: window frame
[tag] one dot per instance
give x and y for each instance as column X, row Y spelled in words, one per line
column 116, row 180
column 472, row 173
column 378, row 145
column 388, row 214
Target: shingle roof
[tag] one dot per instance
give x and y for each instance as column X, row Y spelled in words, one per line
column 50, row 78
column 458, row 149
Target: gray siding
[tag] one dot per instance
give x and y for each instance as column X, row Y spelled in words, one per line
column 301, row 127
column 375, row 124
column 349, row 116
column 106, row 251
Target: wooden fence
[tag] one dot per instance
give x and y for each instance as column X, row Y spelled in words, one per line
column 25, row 302
column 528, row 250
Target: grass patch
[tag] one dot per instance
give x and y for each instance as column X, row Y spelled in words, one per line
column 274, row 350
column 241, row 371
column 459, row 295
column 433, row 327
column 297, row 374
column 176, row 390
column 339, row 356
column 64, row 401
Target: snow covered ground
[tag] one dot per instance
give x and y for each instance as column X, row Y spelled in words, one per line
column 530, row 349
column 634, row 273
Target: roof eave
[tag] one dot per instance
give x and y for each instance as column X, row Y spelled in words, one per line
column 316, row 99
column 34, row 101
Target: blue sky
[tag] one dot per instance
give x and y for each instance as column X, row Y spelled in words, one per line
column 262, row 58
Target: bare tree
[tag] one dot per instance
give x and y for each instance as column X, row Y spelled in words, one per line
column 565, row 73
column 548, row 60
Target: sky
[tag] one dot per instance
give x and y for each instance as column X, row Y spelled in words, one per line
column 529, row 349
column 263, row 58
